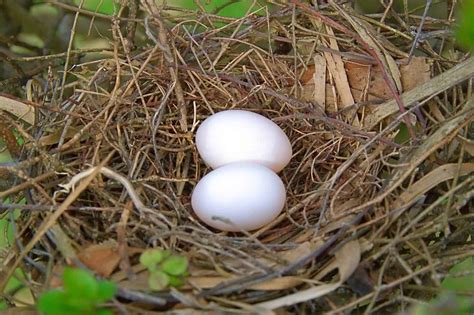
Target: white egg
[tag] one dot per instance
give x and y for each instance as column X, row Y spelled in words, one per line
column 239, row 196
column 237, row 135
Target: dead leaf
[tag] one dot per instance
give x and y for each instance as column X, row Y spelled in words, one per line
column 301, row 296
column 360, row 281
column 394, row 71
column 6, row 134
column 288, row 256
column 443, row 134
column 101, row 258
column 367, row 77
column 303, row 249
column 55, row 281
column 436, row 85
column 63, row 243
column 139, row 281
column 18, row 109
column 347, row 259
column 270, row 285
column 368, row 35
column 430, row 180
column 308, row 74
column 54, row 137
column 417, row 72
column 19, row 311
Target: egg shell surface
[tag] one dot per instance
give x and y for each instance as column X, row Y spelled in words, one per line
column 238, row 135
column 247, row 194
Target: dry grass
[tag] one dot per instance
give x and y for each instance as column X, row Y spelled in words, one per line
column 398, row 214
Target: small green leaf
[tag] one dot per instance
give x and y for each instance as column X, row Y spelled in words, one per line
column 151, row 258
column 103, row 311
column 166, row 253
column 78, row 304
column 465, row 28
column 403, row 135
column 176, row 281
column 457, row 283
column 78, row 282
column 101, row 6
column 175, row 265
column 107, row 290
column 158, row 280
column 55, row 302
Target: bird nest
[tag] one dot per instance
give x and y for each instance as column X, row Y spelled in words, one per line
column 378, row 189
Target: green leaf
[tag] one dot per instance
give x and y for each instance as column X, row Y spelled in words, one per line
column 464, row 283
column 175, row 265
column 176, row 281
column 80, row 283
column 151, row 258
column 465, row 28
column 55, row 302
column 103, row 311
column 101, row 6
column 158, row 280
column 79, row 304
column 106, row 291
column 403, row 135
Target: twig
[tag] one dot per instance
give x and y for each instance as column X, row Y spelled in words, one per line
column 246, row 282
column 124, row 181
column 49, row 222
column 367, row 47
column 418, row 31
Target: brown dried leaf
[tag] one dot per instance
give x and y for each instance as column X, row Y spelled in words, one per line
column 270, row 285
column 6, row 134
column 347, row 259
column 289, row 256
column 363, row 76
column 54, row 137
column 441, row 136
column 417, row 72
column 19, row 311
column 102, row 258
column 368, row 35
column 307, row 75
column 430, row 180
column 435, row 85
column 301, row 296
column 55, row 281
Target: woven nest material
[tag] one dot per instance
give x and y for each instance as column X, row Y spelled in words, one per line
column 372, row 218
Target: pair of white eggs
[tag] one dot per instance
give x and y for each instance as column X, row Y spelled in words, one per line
column 243, row 192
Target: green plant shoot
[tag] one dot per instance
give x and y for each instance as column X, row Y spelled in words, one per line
column 82, row 294
column 465, row 29
column 166, row 269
